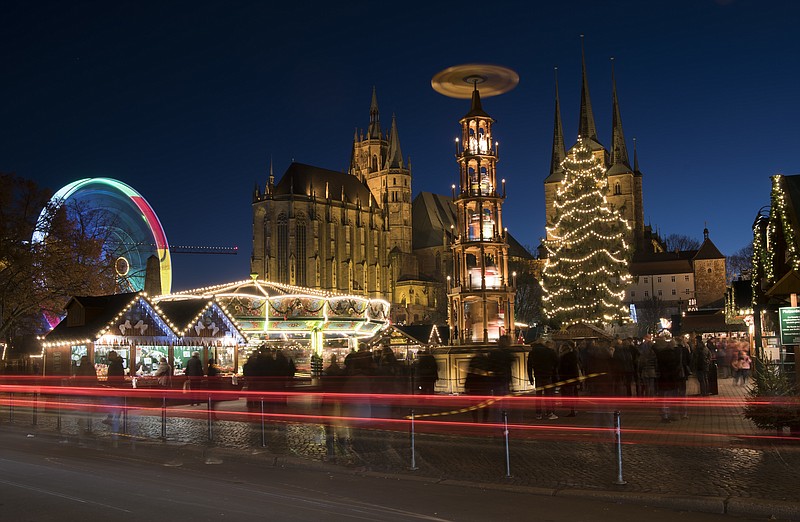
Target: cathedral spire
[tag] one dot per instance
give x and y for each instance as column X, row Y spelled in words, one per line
column 635, row 157
column 394, row 159
column 271, row 173
column 559, row 151
column 586, row 128
column 374, row 130
column 619, row 152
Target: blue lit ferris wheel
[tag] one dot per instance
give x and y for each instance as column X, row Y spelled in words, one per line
column 130, row 229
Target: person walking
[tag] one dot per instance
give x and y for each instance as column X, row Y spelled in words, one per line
column 543, row 374
column 744, row 368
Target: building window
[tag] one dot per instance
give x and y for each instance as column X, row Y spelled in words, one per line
column 673, row 291
column 686, row 278
column 283, row 249
column 646, row 279
column 617, row 189
column 646, row 293
column 300, row 243
column 394, row 181
column 686, row 291
column 659, row 293
column 659, row 279
column 709, row 270
column 673, row 279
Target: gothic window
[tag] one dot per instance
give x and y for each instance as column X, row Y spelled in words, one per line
column 617, row 189
column 394, row 181
column 374, row 163
column 300, row 243
column 283, row 248
column 406, row 182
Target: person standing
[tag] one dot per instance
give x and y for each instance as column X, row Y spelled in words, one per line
column 684, row 371
column 668, row 374
column 569, row 370
column 194, row 374
column 426, row 372
column 542, row 374
column 648, row 368
column 701, row 362
column 164, row 373
column 116, row 379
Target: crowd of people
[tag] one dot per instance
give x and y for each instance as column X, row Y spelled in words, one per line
column 632, row 367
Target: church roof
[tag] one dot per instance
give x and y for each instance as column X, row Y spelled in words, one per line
column 618, row 168
column 432, row 215
column 305, row 180
column 708, row 250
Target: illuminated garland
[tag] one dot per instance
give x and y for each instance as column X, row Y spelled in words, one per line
column 586, row 273
column 764, row 254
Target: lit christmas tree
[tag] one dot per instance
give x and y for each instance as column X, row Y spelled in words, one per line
column 586, row 274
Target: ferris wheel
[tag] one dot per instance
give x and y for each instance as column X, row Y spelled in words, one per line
column 131, row 230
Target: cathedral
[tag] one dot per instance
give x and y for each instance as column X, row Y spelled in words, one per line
column 355, row 232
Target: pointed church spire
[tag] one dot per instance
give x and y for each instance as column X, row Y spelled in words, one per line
column 271, row 173
column 635, row 157
column 559, row 151
column 394, row 159
column 374, row 130
column 586, row 128
column 619, row 152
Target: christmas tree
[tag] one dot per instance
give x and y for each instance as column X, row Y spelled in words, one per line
column 586, row 273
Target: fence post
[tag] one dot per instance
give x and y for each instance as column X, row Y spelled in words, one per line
column 508, row 455
column 263, row 435
column 208, row 414
column 35, row 411
column 413, row 452
column 164, row 417
column 618, row 440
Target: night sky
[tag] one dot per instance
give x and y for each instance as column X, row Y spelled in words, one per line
column 187, row 102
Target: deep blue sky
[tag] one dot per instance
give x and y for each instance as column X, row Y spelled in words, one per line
column 187, row 102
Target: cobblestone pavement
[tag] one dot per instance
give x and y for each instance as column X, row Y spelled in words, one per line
column 713, row 454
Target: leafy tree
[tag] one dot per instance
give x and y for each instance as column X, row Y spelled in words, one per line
column 40, row 276
column 740, row 263
column 680, row 242
column 586, row 273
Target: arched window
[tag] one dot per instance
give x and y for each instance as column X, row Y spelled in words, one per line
column 300, row 244
column 283, row 248
column 617, row 189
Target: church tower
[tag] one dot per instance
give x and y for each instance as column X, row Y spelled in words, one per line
column 482, row 296
column 377, row 160
column 624, row 183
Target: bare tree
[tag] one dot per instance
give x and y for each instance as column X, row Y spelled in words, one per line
column 66, row 259
column 680, row 242
column 528, row 298
column 740, row 263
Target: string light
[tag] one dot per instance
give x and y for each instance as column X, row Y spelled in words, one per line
column 586, row 271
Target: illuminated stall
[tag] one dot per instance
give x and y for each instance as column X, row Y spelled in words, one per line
column 94, row 326
column 141, row 332
column 299, row 321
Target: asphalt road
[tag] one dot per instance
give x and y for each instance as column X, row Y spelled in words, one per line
column 46, row 478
